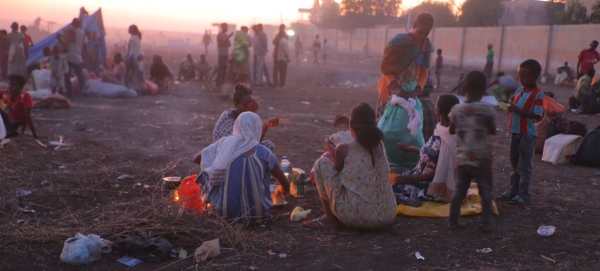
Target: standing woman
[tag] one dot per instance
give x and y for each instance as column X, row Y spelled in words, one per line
column 241, row 56
column 134, row 61
column 405, row 67
column 16, row 51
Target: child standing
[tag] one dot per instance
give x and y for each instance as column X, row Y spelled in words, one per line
column 526, row 106
column 58, row 68
column 439, row 65
column 473, row 122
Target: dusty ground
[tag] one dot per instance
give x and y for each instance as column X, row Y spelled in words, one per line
column 142, row 136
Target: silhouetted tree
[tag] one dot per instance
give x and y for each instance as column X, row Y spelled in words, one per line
column 325, row 13
column 441, row 11
column 575, row 13
column 481, row 13
column 595, row 15
column 366, row 13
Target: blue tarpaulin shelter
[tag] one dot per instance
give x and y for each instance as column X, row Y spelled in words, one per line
column 89, row 23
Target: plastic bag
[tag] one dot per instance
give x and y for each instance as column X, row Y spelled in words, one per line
column 106, row 90
column 81, row 249
column 208, row 249
column 553, row 107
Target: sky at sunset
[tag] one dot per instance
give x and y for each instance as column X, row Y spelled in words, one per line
column 173, row 15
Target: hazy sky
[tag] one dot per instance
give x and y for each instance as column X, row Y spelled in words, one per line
column 174, row 15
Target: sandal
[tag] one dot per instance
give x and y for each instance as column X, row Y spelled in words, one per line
column 317, row 224
column 517, row 201
column 506, row 196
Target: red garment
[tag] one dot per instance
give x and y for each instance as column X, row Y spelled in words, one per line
column 16, row 108
column 26, row 42
column 587, row 59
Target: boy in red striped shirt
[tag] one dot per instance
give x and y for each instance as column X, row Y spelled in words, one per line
column 526, row 107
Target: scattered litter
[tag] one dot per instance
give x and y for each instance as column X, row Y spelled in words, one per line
column 271, row 253
column 283, row 256
column 21, row 221
column 129, row 261
column 546, row 230
column 159, row 102
column 23, row 193
column 179, row 253
column 146, row 186
column 253, row 267
column 26, row 209
column 271, row 108
column 208, row 249
column 57, row 144
column 44, row 183
column 316, row 121
column 299, row 214
column 484, row 250
column 62, row 167
column 157, row 249
column 306, row 102
column 153, row 126
column 407, row 240
column 553, row 261
column 41, row 144
column 419, row 256
column 82, row 249
column 124, row 177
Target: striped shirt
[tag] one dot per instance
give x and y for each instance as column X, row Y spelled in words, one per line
column 532, row 101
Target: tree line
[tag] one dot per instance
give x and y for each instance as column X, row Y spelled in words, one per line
column 351, row 14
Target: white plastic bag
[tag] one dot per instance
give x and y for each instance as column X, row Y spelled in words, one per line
column 2, row 129
column 41, row 78
column 96, row 88
column 40, row 93
column 81, row 249
column 558, row 148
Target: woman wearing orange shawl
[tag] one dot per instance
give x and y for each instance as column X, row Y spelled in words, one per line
column 405, row 67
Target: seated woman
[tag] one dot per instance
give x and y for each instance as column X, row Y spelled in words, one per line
column 160, row 74
column 433, row 177
column 354, row 188
column 242, row 102
column 115, row 74
column 236, row 171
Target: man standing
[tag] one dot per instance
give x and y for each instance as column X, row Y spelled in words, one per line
column 73, row 39
column 260, row 51
column 276, row 41
column 316, row 47
column 206, row 40
column 489, row 63
column 223, row 44
column 587, row 59
column 28, row 42
column 325, row 51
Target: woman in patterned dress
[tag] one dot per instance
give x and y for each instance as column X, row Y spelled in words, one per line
column 242, row 102
column 404, row 68
column 427, row 180
column 236, row 171
column 354, row 188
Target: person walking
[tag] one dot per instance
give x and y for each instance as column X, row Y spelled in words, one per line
column 223, row 44
column 276, row 41
column 206, row 40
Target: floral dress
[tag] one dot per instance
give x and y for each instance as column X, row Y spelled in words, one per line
column 224, row 127
column 428, row 160
column 360, row 195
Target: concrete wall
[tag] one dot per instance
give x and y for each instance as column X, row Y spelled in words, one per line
column 467, row 47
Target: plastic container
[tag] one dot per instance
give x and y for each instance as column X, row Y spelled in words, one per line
column 188, row 194
column 286, row 166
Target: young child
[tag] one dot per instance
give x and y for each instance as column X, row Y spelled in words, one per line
column 19, row 105
column 58, row 68
column 439, row 65
column 526, row 106
column 473, row 122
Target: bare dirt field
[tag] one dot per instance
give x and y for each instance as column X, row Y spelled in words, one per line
column 152, row 137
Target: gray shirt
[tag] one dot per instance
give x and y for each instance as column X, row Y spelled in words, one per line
column 74, row 49
column 223, row 44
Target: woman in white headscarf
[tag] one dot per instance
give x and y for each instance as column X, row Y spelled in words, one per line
column 236, row 172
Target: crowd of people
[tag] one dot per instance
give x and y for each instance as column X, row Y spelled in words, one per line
column 433, row 163
column 433, row 149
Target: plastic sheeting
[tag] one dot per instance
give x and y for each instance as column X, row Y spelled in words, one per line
column 90, row 23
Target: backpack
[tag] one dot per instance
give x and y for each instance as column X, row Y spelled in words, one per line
column 588, row 153
column 561, row 125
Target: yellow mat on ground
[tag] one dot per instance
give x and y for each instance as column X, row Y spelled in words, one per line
column 440, row 209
